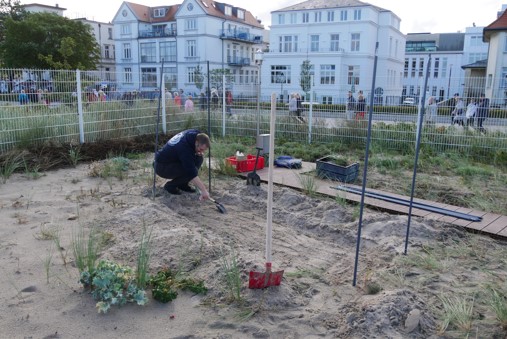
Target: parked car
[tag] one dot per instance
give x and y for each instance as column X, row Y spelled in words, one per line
column 408, row 101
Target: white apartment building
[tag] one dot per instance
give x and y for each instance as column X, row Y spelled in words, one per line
column 103, row 33
column 450, row 53
column 186, row 36
column 339, row 39
column 496, row 72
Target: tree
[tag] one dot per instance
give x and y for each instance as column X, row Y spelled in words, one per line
column 305, row 80
column 10, row 9
column 198, row 77
column 49, row 41
column 216, row 77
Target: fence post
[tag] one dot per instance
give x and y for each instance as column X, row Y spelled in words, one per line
column 310, row 111
column 80, row 106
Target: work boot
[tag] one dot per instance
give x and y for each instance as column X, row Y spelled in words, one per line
column 187, row 188
column 172, row 189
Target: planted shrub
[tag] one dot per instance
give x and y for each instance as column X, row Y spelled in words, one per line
column 113, row 284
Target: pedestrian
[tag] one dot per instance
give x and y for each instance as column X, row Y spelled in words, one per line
column 431, row 110
column 23, row 97
column 183, row 99
column 361, row 106
column 470, row 113
column 202, row 102
column 351, row 106
column 299, row 104
column 177, row 100
column 180, row 160
column 228, row 102
column 189, row 104
column 293, row 105
column 482, row 111
column 457, row 112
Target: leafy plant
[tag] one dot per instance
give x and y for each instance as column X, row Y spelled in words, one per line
column 165, row 283
column 113, row 284
column 308, row 184
column 74, row 155
column 458, row 313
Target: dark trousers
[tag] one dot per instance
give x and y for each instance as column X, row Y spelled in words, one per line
column 176, row 172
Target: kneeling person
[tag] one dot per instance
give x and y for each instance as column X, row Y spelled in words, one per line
column 180, row 160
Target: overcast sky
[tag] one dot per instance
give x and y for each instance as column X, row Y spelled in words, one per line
column 435, row 16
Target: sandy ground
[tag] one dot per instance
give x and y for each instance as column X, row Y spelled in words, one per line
column 314, row 241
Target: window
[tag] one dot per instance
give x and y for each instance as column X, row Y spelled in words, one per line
column 476, row 40
column 327, row 74
column 159, row 12
column 228, row 10
column 405, row 69
column 444, row 68
column 241, row 14
column 317, row 17
column 190, row 74
column 125, row 29
column 435, row 67
column 107, row 53
column 314, row 43
column 353, row 75
column 335, row 42
column 357, row 14
column 421, row 67
column 280, row 74
column 434, row 90
column 148, row 52
column 306, row 17
column 170, row 77
column 503, row 81
column 127, row 52
column 127, row 75
column 327, row 100
column 191, row 48
column 190, row 24
column 330, row 16
column 149, row 77
column 281, row 19
column 110, row 33
column 343, row 15
column 288, row 43
column 168, row 51
column 293, row 18
column 474, row 57
column 354, row 42
column 414, row 64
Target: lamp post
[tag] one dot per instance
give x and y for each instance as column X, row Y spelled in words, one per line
column 281, row 79
column 259, row 56
column 449, row 83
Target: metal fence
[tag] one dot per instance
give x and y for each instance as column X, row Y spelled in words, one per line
column 81, row 107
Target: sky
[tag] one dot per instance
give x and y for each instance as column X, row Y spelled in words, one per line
column 435, row 16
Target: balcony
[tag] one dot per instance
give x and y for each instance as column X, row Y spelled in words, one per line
column 335, row 50
column 157, row 34
column 235, row 35
column 236, row 61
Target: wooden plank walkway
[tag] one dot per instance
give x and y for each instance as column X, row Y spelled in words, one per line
column 491, row 223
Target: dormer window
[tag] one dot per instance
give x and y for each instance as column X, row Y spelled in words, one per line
column 159, row 12
column 241, row 14
column 228, row 10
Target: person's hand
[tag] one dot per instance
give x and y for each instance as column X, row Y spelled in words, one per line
column 204, row 195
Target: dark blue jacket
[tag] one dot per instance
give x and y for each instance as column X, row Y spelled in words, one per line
column 180, row 149
column 483, row 108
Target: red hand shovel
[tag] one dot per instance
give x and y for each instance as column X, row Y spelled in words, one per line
column 268, row 278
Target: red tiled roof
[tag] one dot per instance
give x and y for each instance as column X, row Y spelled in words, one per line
column 142, row 12
column 213, row 8
column 499, row 24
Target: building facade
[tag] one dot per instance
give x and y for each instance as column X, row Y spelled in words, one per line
column 338, row 38
column 187, row 37
column 103, row 33
column 496, row 70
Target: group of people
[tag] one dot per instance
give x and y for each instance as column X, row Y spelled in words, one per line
column 474, row 111
column 355, row 108
column 179, row 100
